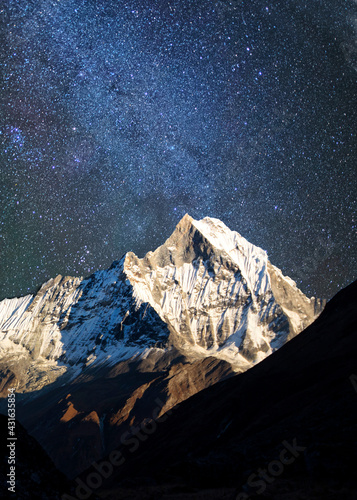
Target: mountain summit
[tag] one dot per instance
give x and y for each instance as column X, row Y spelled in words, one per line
column 219, row 293
column 94, row 359
column 206, row 291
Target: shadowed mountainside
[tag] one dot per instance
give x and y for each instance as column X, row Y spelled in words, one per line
column 305, row 394
column 36, row 475
column 89, row 358
column 85, row 419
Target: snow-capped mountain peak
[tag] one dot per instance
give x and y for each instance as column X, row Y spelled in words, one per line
column 251, row 259
column 206, row 291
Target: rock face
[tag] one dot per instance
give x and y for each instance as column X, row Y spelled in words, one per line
column 218, row 293
column 83, row 420
column 207, row 291
column 90, row 358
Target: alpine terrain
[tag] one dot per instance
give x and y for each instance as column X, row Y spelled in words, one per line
column 93, row 358
column 284, row 430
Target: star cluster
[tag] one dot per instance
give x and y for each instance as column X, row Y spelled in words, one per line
column 121, row 116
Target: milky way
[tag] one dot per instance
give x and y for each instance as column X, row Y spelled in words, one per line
column 120, row 117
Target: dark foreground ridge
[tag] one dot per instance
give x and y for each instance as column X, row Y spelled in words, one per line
column 36, row 477
column 286, row 429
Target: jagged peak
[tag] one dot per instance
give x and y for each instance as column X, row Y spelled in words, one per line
column 223, row 238
column 217, row 234
column 206, row 239
column 205, row 287
column 186, row 219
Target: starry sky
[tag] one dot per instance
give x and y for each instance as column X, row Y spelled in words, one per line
column 118, row 117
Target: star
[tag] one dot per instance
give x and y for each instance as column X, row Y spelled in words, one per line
column 119, row 119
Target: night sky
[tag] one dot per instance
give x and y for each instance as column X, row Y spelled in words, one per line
column 118, row 117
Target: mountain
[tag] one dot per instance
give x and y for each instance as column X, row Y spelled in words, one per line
column 206, row 291
column 285, row 429
column 90, row 358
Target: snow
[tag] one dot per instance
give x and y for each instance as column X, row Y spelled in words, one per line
column 251, row 260
column 215, row 309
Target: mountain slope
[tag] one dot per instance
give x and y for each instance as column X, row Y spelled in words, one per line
column 304, row 395
column 35, row 474
column 84, row 420
column 90, row 358
column 206, row 291
column 209, row 283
